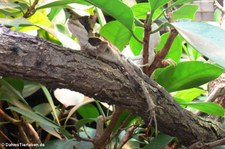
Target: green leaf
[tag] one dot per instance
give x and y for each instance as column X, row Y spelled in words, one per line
column 43, row 108
column 136, row 46
column 140, row 10
column 15, row 83
column 67, row 144
column 159, row 142
column 187, row 75
column 189, row 94
column 58, row 3
column 11, row 94
column 116, row 9
column 181, row 13
column 179, row 2
column 84, row 121
column 88, row 111
column 156, row 4
column 175, row 49
column 34, row 116
column 8, row 5
column 50, row 101
column 15, row 22
column 116, row 33
column 207, row 39
column 29, row 88
column 207, row 107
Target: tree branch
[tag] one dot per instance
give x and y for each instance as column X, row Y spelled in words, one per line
column 34, row 59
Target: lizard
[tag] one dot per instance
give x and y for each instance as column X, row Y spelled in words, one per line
column 102, row 49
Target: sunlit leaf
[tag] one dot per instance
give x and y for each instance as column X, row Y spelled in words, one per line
column 187, row 75
column 189, row 94
column 117, row 9
column 136, row 46
column 206, row 107
column 181, row 13
column 207, row 39
column 116, row 33
column 156, row 4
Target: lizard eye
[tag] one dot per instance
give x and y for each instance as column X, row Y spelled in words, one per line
column 94, row 41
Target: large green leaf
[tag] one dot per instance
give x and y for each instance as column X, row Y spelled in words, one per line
column 116, row 33
column 189, row 94
column 187, row 75
column 140, row 10
column 181, row 13
column 92, row 111
column 59, row 3
column 136, row 46
column 117, row 9
column 156, row 4
column 206, row 107
column 207, row 39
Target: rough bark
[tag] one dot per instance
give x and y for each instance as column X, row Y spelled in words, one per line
column 34, row 59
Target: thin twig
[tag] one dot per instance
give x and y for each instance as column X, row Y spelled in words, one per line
column 31, row 10
column 121, row 126
column 160, row 56
column 147, row 33
column 101, row 140
column 127, row 136
column 8, row 118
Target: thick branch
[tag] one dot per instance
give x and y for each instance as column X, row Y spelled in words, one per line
column 31, row 58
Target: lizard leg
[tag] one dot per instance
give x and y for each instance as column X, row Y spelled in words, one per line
column 151, row 107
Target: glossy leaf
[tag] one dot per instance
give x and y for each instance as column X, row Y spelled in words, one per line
column 189, row 94
column 181, row 13
column 187, row 75
column 160, row 142
column 15, row 83
column 207, row 39
column 116, row 9
column 92, row 111
column 207, row 107
column 179, row 2
column 59, row 3
column 156, row 4
column 136, row 46
column 140, row 10
column 116, row 33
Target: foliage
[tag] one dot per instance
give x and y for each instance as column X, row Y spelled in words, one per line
column 186, row 78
